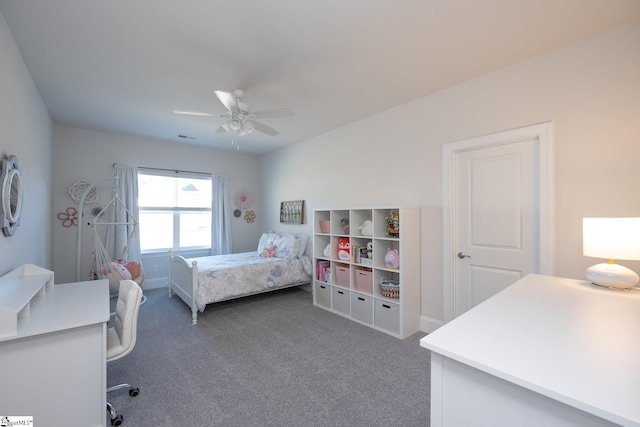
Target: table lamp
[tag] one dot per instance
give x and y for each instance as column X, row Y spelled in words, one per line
column 611, row 238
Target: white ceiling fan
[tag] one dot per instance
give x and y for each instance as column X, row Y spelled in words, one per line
column 240, row 120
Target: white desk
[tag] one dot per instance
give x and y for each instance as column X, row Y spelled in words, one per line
column 54, row 367
column 545, row 351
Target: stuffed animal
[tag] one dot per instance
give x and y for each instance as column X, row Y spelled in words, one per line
column 344, row 249
column 370, row 250
column 366, row 228
column 269, row 251
column 327, row 251
column 134, row 269
column 392, row 259
column 106, row 269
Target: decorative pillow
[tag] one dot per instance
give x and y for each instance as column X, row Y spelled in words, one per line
column 304, row 239
column 287, row 246
column 266, row 240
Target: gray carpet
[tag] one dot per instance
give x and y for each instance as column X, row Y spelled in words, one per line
column 268, row 360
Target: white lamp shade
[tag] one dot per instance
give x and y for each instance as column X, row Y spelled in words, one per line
column 611, row 238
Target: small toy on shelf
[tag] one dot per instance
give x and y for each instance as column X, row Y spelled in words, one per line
column 366, row 228
column 392, row 259
column 327, row 251
column 393, row 224
column 344, row 249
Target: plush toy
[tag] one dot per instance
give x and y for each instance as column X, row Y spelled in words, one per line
column 134, row 269
column 327, row 251
column 269, row 251
column 106, row 269
column 366, row 228
column 392, row 259
column 344, row 249
column 370, row 250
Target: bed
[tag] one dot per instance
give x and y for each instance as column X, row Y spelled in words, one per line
column 279, row 262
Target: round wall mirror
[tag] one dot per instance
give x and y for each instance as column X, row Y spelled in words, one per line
column 11, row 195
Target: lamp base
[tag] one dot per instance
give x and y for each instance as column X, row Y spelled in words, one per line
column 612, row 276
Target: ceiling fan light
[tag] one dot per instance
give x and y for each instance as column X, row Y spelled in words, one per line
column 226, row 127
column 248, row 126
column 235, row 124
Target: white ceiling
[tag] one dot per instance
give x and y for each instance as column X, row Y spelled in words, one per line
column 125, row 65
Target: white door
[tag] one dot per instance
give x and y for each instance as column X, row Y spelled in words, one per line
column 495, row 218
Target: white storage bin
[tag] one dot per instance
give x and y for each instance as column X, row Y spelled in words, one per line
column 362, row 307
column 387, row 316
column 341, row 300
column 322, row 294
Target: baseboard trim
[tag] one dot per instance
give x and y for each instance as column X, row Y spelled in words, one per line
column 428, row 324
column 160, row 282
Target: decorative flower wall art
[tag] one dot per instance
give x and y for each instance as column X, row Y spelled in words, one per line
column 243, row 199
column 69, row 217
column 249, row 216
column 78, row 189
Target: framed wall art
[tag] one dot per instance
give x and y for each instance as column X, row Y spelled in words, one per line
column 292, row 212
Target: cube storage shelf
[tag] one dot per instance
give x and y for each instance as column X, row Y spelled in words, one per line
column 348, row 283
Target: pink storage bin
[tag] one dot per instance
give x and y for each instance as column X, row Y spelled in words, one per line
column 342, row 275
column 363, row 280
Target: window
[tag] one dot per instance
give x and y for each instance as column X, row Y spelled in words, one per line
column 175, row 210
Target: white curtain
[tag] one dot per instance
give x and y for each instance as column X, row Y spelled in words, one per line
column 118, row 235
column 220, row 216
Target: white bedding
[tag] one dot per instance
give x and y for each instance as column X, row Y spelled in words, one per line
column 226, row 276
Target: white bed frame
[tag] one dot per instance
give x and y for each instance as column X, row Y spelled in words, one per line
column 183, row 281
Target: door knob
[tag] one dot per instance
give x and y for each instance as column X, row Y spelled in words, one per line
column 462, row 255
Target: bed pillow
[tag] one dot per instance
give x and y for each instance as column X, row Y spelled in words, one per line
column 304, row 239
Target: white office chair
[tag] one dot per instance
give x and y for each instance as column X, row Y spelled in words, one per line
column 121, row 337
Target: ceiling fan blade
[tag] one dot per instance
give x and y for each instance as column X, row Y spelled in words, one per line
column 227, row 99
column 195, row 113
column 261, row 127
column 276, row 113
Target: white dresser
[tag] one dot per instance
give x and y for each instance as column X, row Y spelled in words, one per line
column 544, row 352
column 53, row 348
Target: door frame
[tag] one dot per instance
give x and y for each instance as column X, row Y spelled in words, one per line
column 543, row 132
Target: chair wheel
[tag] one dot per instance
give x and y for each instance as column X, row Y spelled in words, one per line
column 117, row 420
column 134, row 391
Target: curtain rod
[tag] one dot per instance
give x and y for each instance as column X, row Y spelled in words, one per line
column 171, row 170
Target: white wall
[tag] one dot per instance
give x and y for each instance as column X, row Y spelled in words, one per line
column 81, row 154
column 26, row 133
column 590, row 90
